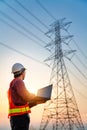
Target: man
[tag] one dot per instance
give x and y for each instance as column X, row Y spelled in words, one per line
column 20, row 100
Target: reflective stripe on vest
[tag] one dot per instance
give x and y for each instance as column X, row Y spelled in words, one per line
column 18, row 110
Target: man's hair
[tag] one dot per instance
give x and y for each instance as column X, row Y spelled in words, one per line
column 17, row 74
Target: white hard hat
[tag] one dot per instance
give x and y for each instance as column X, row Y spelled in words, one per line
column 17, row 67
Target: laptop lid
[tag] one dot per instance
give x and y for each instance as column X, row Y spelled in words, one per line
column 45, row 92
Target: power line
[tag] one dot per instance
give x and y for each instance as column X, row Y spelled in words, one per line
column 80, row 63
column 76, row 77
column 26, row 19
column 19, row 52
column 80, row 94
column 78, row 69
column 29, row 12
column 22, row 33
column 83, row 54
column 41, row 5
column 80, row 49
column 21, row 26
column 79, row 60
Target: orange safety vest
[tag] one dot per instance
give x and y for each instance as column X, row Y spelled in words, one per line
column 16, row 110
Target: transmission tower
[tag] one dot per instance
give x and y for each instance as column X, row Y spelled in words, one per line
column 61, row 112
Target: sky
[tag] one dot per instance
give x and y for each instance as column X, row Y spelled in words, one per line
column 23, row 40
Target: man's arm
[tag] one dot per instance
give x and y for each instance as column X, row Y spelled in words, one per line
column 32, row 99
column 23, row 92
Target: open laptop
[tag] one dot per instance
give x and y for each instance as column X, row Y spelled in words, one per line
column 45, row 92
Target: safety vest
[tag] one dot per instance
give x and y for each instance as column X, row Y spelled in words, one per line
column 16, row 110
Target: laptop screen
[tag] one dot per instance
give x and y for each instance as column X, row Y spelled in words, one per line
column 45, row 92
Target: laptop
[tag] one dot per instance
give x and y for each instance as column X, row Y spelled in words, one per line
column 45, row 92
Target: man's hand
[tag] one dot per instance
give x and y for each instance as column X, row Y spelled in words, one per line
column 37, row 100
column 32, row 104
column 40, row 100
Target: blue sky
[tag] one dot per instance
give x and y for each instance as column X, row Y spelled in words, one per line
column 38, row 74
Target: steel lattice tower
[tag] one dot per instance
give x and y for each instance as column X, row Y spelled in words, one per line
column 61, row 112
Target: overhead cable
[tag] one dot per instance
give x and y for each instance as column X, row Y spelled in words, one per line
column 81, row 62
column 22, row 33
column 80, row 94
column 80, row 49
column 76, row 77
column 83, row 54
column 29, row 12
column 78, row 70
column 21, row 15
column 21, row 26
column 77, row 57
column 19, row 52
column 41, row 5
